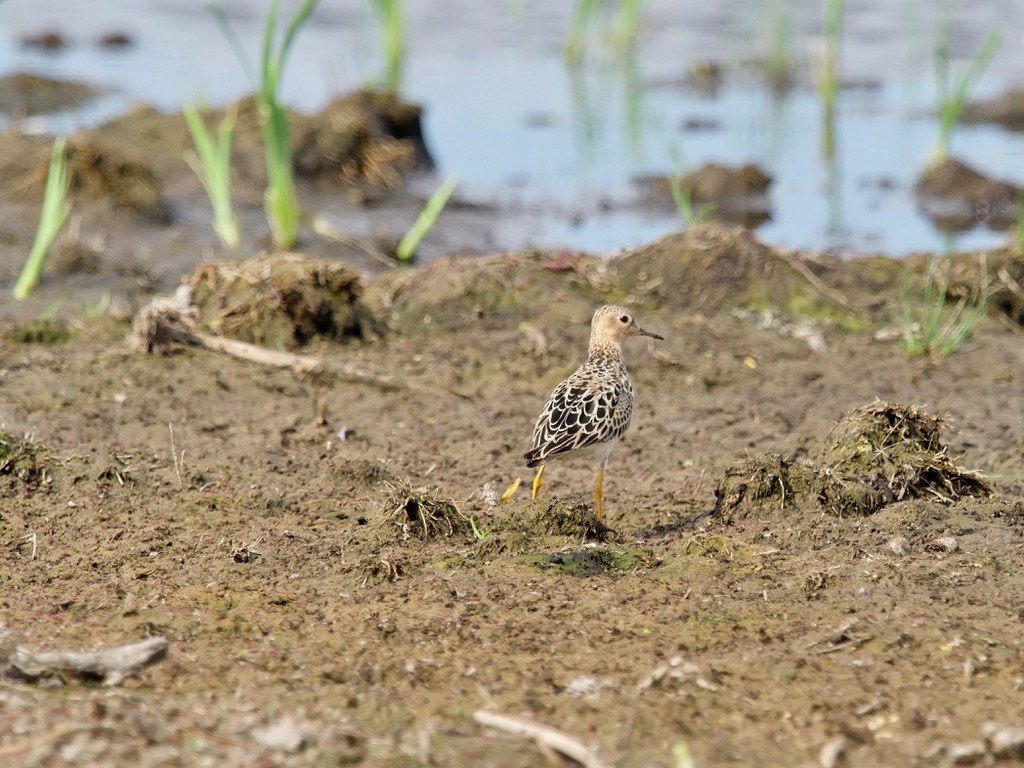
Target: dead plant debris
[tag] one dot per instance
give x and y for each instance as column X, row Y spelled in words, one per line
column 109, row 665
column 875, row 455
column 281, row 300
column 23, row 464
column 415, row 514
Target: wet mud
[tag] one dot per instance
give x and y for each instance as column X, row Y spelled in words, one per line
column 811, row 546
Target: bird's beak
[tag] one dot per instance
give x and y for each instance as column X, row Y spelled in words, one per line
column 641, row 332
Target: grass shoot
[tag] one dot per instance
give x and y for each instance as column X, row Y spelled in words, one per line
column 281, row 199
column 583, row 15
column 952, row 102
column 623, row 27
column 682, row 755
column 426, row 220
column 930, row 329
column 54, row 213
column 828, row 79
column 626, row 23
column 478, row 533
column 391, row 14
column 684, row 202
column 778, row 60
column 212, row 164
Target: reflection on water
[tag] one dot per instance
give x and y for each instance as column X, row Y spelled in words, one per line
column 509, row 117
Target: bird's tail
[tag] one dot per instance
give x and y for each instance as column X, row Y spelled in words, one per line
column 534, row 457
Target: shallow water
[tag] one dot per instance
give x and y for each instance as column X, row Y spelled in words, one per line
column 523, row 130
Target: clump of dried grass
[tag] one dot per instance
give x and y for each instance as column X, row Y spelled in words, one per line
column 280, row 301
column 875, row 455
column 417, row 514
column 22, row 463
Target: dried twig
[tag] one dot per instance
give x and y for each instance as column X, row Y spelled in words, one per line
column 543, row 735
column 111, row 665
column 174, row 320
column 797, row 262
column 179, row 460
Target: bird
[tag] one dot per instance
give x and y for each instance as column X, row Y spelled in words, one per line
column 590, row 410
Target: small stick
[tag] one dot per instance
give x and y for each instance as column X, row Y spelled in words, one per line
column 544, row 736
column 796, row 262
column 112, row 665
column 178, row 463
column 174, row 320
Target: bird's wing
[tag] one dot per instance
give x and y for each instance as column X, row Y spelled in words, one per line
column 577, row 415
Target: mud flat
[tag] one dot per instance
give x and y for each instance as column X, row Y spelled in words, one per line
column 811, row 553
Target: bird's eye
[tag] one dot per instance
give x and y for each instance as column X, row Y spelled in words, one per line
column 624, row 319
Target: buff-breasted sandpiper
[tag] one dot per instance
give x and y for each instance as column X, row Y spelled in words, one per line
column 590, row 410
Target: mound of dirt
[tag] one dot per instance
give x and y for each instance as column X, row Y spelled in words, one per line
column 103, row 170
column 739, row 194
column 494, row 291
column 956, row 196
column 875, row 455
column 25, row 93
column 1006, row 110
column 711, row 267
column 363, row 137
column 410, row 513
column 708, row 268
column 281, row 301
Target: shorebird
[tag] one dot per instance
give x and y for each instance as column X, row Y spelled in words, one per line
column 590, row 410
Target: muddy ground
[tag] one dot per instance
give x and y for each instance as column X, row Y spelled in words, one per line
column 324, row 552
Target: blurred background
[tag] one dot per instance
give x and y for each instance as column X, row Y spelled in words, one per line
column 560, row 111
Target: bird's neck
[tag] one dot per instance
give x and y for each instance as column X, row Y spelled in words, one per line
column 604, row 348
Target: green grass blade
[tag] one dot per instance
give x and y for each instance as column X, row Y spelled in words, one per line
column 931, row 329
column 392, row 20
column 626, row 24
column 54, row 213
column 281, row 199
column 682, row 197
column 268, row 70
column 212, row 164
column 952, row 105
column 233, row 41
column 297, row 22
column 426, row 220
column 584, row 12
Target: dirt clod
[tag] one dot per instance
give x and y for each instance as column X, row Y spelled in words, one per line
column 416, row 514
column 361, row 138
column 875, row 455
column 956, row 196
column 281, row 301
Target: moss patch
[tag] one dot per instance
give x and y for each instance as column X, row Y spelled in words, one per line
column 39, row 332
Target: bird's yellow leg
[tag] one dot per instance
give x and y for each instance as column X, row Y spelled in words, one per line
column 597, row 490
column 536, row 481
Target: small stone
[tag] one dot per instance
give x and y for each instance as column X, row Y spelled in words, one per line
column 588, row 686
column 285, row 735
column 944, row 544
column 1007, row 742
column 966, row 753
column 831, row 753
column 899, row 545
